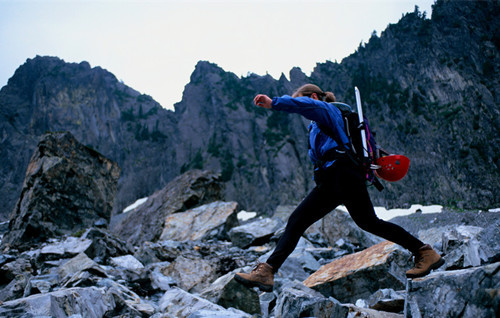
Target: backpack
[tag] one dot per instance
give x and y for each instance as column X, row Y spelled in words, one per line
column 353, row 130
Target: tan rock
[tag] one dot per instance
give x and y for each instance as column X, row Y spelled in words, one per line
column 360, row 274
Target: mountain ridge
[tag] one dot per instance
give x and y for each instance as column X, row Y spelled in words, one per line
column 429, row 87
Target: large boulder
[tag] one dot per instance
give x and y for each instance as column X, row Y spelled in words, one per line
column 212, row 219
column 359, row 275
column 68, row 187
column 473, row 292
column 146, row 222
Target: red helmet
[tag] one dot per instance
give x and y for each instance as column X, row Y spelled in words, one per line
column 393, row 167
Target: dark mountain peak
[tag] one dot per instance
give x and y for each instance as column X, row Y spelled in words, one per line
column 297, row 76
column 205, row 70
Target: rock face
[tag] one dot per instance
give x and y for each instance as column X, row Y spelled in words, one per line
column 426, row 85
column 68, row 188
column 146, row 222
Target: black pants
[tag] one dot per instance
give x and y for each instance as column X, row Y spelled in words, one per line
column 342, row 184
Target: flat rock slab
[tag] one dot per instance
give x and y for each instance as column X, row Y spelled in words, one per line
column 361, row 274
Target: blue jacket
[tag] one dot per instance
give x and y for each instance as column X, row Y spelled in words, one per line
column 319, row 112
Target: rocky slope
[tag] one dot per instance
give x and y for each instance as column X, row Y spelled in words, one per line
column 429, row 86
column 89, row 270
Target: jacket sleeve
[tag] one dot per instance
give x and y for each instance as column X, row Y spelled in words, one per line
column 318, row 111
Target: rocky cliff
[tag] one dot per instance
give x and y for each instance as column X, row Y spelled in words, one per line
column 429, row 86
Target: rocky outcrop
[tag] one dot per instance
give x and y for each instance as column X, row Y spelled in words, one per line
column 68, row 188
column 146, row 222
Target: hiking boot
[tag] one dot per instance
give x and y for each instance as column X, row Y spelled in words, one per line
column 261, row 276
column 426, row 259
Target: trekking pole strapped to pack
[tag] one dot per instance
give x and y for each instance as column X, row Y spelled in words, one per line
column 361, row 122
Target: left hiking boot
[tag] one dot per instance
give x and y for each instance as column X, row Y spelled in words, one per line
column 261, row 276
column 426, row 259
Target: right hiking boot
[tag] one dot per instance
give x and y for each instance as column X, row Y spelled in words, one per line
column 426, row 259
column 261, row 276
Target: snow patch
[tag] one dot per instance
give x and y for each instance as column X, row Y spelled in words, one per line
column 386, row 214
column 244, row 215
column 135, row 205
column 494, row 210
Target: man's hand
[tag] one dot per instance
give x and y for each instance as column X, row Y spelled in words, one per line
column 263, row 101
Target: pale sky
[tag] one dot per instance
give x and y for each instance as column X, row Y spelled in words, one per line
column 153, row 45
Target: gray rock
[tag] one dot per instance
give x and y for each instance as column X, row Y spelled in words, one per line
column 15, row 288
column 465, row 246
column 15, row 267
column 267, row 303
column 179, row 303
column 79, row 263
column 387, row 300
column 469, row 292
column 489, row 240
column 297, row 300
column 68, row 248
column 227, row 292
column 210, row 220
column 282, row 212
column 161, row 251
column 14, row 277
column 191, row 274
column 127, row 302
column 339, row 225
column 158, row 280
column 211, row 313
column 254, row 233
column 300, row 264
column 127, row 262
column 105, row 245
column 355, row 312
column 68, row 187
column 41, row 284
column 146, row 222
column 89, row 302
